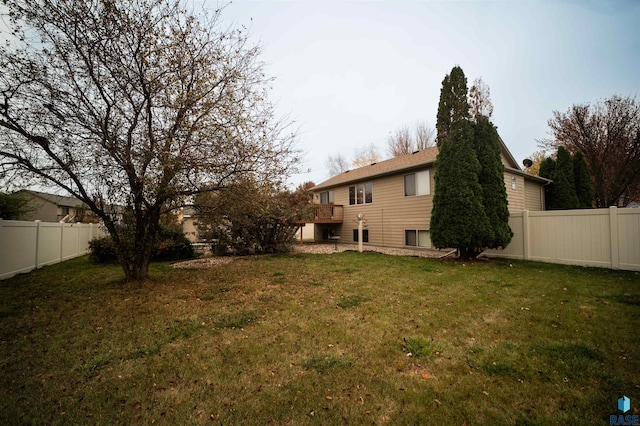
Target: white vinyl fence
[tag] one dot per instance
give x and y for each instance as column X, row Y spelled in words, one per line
column 25, row 246
column 608, row 238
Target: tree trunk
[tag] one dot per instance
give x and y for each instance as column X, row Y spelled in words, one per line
column 467, row 253
column 135, row 256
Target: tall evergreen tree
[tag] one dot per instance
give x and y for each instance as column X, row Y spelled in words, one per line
column 582, row 179
column 470, row 207
column 571, row 182
column 548, row 170
column 460, row 102
column 443, row 119
column 458, row 219
column 565, row 197
column 491, row 179
column 453, row 105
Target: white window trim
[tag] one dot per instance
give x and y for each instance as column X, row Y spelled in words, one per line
column 364, row 193
column 418, row 231
column 426, row 188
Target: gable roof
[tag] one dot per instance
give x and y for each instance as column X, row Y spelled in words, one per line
column 56, row 199
column 513, row 164
column 424, row 157
column 382, row 168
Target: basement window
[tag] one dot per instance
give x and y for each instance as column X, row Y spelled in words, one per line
column 365, row 236
column 417, row 238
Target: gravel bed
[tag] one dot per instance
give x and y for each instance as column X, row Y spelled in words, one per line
column 204, row 262
column 312, row 248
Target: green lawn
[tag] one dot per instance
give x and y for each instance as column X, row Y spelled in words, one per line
column 345, row 338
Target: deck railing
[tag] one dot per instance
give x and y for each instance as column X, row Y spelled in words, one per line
column 328, row 213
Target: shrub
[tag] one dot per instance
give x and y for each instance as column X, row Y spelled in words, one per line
column 102, row 250
column 171, row 244
column 251, row 218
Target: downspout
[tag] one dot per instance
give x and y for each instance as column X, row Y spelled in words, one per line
column 382, row 218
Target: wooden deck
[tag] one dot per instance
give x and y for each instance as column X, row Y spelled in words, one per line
column 327, row 213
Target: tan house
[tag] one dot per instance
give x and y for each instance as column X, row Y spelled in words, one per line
column 396, row 198
column 189, row 223
column 56, row 208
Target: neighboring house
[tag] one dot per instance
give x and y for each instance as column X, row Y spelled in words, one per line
column 189, row 224
column 396, row 198
column 306, row 232
column 56, row 208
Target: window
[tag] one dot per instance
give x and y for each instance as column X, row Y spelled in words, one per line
column 417, row 238
column 326, row 197
column 65, row 210
column 365, row 236
column 513, row 182
column 361, row 194
column 417, row 183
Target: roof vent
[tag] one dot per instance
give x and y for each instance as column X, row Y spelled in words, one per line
column 347, row 171
column 374, row 163
column 415, row 152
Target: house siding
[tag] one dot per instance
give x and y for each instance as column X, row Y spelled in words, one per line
column 43, row 210
column 534, row 196
column 516, row 196
column 390, row 214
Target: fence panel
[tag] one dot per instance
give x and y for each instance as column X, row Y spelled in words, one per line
column 49, row 246
column 18, row 242
column 25, row 246
column 69, row 246
column 607, row 238
column 515, row 249
column 579, row 237
column 629, row 238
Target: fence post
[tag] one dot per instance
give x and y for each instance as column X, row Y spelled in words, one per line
column 615, row 247
column 78, row 228
column 525, row 235
column 61, row 239
column 90, row 237
column 37, row 260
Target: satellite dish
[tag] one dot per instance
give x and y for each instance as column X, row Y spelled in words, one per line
column 527, row 162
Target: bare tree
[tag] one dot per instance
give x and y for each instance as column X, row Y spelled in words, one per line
column 403, row 142
column 140, row 103
column 337, row 164
column 365, row 155
column 608, row 134
column 400, row 142
column 480, row 100
column 425, row 136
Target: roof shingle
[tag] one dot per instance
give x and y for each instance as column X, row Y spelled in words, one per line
column 404, row 162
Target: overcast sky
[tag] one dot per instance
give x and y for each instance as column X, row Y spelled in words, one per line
column 350, row 73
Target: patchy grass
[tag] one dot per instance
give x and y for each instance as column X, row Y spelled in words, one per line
column 320, row 339
column 351, row 301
